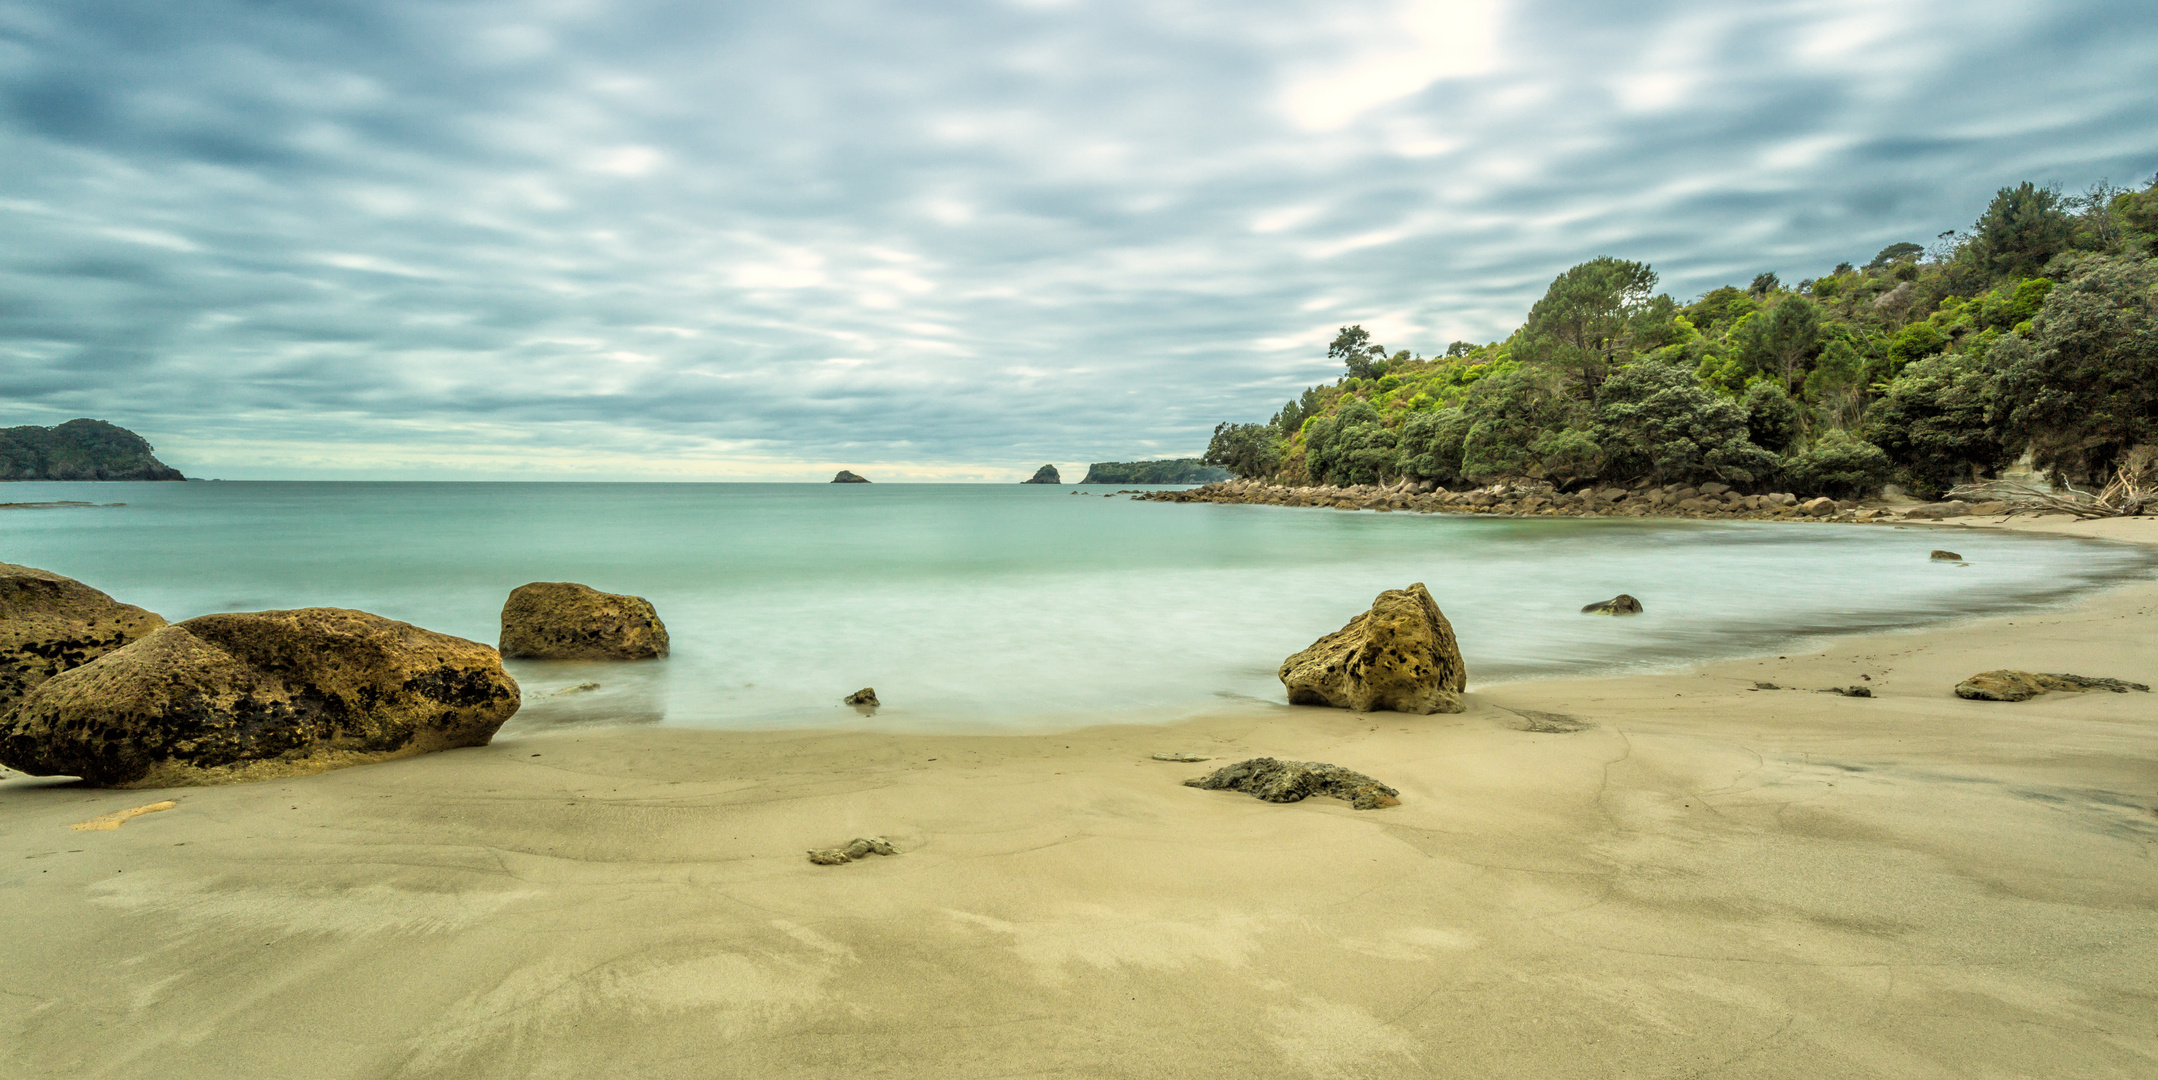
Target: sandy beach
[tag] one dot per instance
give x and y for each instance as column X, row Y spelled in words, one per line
column 1705, row 879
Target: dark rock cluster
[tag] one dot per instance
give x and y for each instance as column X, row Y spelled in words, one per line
column 1280, row 781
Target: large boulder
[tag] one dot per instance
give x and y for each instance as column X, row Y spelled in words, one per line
column 50, row 623
column 2003, row 684
column 562, row 620
column 253, row 695
column 1399, row 656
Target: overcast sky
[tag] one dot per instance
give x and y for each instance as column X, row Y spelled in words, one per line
column 685, row 239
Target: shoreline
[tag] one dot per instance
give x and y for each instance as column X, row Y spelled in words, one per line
column 1676, row 871
column 1536, row 498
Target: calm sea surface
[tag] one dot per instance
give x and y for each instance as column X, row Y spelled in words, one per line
column 1006, row 606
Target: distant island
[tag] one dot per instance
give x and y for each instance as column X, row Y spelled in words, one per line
column 79, row 450
column 1047, row 474
column 2028, row 342
column 846, row 477
column 1167, row 471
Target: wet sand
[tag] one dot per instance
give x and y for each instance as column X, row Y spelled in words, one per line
column 1705, row 879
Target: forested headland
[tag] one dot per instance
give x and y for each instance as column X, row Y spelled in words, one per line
column 79, row 450
column 2034, row 332
column 1165, row 471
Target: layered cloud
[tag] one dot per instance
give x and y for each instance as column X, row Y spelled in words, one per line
column 657, row 238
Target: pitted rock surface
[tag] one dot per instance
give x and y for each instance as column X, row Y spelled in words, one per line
column 252, row 695
column 2006, row 685
column 50, row 624
column 562, row 620
column 1280, row 781
column 1400, row 656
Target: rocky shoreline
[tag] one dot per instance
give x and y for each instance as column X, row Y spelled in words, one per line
column 1532, row 498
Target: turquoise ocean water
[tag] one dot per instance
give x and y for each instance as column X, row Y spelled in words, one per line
column 1007, row 606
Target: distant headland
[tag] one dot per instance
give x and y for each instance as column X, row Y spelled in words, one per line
column 79, row 450
column 1047, row 474
column 1167, row 471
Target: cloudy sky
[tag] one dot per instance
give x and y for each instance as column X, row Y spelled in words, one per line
column 687, row 239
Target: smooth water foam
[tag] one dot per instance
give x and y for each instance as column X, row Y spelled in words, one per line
column 1007, row 606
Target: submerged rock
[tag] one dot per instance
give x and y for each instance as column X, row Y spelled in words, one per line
column 50, row 624
column 1047, row 474
column 861, row 847
column 846, row 477
column 2006, row 685
column 1399, row 656
column 246, row 696
column 1621, row 604
column 865, row 696
column 1280, row 781
column 562, row 620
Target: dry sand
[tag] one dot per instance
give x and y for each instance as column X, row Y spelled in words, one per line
column 1706, row 880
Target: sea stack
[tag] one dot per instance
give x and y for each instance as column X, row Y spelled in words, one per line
column 846, row 477
column 1047, row 474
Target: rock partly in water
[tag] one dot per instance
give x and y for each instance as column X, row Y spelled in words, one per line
column 247, row 696
column 1047, row 474
column 1399, row 656
column 1621, row 604
column 2006, row 685
column 861, row 847
column 580, row 688
column 846, row 477
column 562, row 620
column 865, row 696
column 1280, row 781
column 50, row 624
column 1944, row 556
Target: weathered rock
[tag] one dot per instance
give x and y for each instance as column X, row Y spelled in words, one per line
column 865, row 696
column 1821, row 507
column 247, row 696
column 562, row 620
column 1944, row 556
column 50, row 623
column 861, row 847
column 1621, row 604
column 1937, row 511
column 1400, row 656
column 2007, row 685
column 1280, row 781
column 1848, row 691
column 846, row 477
column 1047, row 474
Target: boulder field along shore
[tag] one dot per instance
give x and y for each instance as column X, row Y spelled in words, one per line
column 1536, row 498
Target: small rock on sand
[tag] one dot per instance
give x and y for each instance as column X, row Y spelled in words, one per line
column 1293, row 781
column 858, row 848
column 865, row 696
column 1848, row 691
column 1181, row 757
column 2006, row 685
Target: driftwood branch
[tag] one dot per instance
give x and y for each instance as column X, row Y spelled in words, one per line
column 2130, row 493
